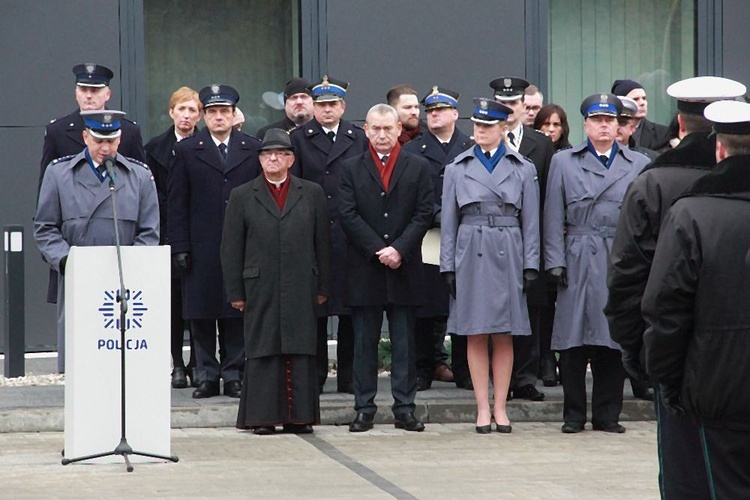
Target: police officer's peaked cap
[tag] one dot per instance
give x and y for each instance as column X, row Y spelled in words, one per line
column 218, row 95
column 329, row 89
column 601, row 104
column 694, row 94
column 92, row 75
column 440, row 97
column 508, row 88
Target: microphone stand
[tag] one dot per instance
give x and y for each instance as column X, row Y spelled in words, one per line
column 123, row 448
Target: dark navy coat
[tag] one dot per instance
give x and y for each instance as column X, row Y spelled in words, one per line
column 374, row 218
column 428, row 147
column 198, row 193
column 160, row 158
column 538, row 148
column 320, row 160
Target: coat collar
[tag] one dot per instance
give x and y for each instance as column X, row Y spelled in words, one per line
column 696, row 150
column 260, row 189
column 402, row 163
column 241, row 146
column 345, row 137
column 474, row 169
column 729, row 178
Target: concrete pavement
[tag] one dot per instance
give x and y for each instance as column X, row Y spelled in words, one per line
column 536, row 461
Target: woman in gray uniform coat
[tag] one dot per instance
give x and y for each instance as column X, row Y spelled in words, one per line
column 489, row 251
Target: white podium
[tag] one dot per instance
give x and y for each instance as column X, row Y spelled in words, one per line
column 92, row 345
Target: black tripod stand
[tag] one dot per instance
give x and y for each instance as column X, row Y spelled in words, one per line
column 123, row 448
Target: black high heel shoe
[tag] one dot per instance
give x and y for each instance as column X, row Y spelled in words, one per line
column 483, row 429
column 503, row 429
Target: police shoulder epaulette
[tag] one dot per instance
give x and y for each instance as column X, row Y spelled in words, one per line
column 538, row 131
column 137, row 162
column 129, row 120
column 566, row 147
column 53, row 120
column 61, row 159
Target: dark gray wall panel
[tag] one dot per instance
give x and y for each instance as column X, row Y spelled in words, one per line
column 40, row 42
column 19, row 172
column 459, row 45
column 736, row 40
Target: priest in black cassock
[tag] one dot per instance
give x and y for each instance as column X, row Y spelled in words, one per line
column 275, row 256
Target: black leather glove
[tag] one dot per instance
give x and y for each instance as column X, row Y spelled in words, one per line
column 436, row 219
column 529, row 277
column 63, row 261
column 631, row 361
column 559, row 276
column 181, row 261
column 671, row 398
column 450, row 280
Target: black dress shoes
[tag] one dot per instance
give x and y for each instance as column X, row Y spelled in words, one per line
column 613, row 427
column 483, row 429
column 179, row 378
column 362, row 423
column 233, row 388
column 298, row 428
column 529, row 392
column 408, row 422
column 206, row 390
column 572, row 427
column 263, row 431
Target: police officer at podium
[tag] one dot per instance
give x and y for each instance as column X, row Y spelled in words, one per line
column 75, row 203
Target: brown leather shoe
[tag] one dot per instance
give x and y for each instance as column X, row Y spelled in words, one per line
column 443, row 373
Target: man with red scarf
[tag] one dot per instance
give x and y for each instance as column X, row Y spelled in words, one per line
column 386, row 208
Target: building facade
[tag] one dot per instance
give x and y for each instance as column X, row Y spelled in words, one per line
column 569, row 48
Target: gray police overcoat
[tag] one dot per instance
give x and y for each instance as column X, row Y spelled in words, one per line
column 581, row 212
column 75, row 207
column 489, row 235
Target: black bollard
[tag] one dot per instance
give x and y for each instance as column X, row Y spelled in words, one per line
column 15, row 324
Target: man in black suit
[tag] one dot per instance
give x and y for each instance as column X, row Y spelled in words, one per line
column 647, row 134
column 321, row 146
column 206, row 168
column 185, row 110
column 64, row 136
column 386, row 207
column 439, row 145
column 540, row 299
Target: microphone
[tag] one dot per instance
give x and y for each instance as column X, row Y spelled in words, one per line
column 109, row 164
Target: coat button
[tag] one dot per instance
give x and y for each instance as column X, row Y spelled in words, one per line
column 385, row 237
column 479, row 254
column 329, row 196
column 382, row 194
column 385, row 214
column 327, row 172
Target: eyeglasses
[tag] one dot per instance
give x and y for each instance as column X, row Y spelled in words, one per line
column 274, row 152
